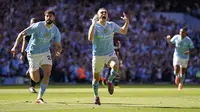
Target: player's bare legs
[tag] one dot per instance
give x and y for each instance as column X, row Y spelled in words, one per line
column 95, row 85
column 97, row 66
column 182, row 78
column 176, row 73
column 44, row 83
column 114, row 64
column 104, row 80
column 181, row 53
column 32, row 83
column 32, row 87
column 35, row 75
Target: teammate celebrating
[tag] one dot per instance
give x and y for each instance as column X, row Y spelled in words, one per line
column 183, row 45
column 101, row 35
column 38, row 52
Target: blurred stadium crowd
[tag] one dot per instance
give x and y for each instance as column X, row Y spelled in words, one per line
column 146, row 57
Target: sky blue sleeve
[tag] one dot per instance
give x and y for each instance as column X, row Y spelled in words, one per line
column 173, row 39
column 116, row 28
column 191, row 45
column 31, row 29
column 58, row 36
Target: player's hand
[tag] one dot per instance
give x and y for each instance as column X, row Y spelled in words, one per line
column 13, row 51
column 125, row 17
column 22, row 58
column 58, row 54
column 168, row 37
column 187, row 52
column 95, row 19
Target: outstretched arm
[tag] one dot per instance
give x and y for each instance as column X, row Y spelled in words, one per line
column 28, row 31
column 124, row 28
column 18, row 40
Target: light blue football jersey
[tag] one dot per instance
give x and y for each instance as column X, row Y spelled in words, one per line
column 102, row 43
column 182, row 46
column 41, row 37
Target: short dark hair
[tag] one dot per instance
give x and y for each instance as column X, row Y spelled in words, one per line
column 34, row 20
column 185, row 29
column 49, row 11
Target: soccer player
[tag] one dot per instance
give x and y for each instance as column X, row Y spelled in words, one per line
column 183, row 46
column 38, row 53
column 23, row 55
column 101, row 35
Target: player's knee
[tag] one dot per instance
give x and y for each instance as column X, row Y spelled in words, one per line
column 48, row 73
column 114, row 65
column 175, row 73
column 35, row 75
column 97, row 77
column 36, row 79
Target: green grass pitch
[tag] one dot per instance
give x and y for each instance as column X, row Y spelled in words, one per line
column 79, row 98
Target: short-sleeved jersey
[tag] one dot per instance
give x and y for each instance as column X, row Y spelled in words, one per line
column 41, row 37
column 102, row 43
column 182, row 45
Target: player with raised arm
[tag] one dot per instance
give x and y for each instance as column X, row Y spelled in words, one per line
column 38, row 53
column 183, row 47
column 101, row 35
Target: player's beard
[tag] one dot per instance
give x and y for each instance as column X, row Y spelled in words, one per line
column 49, row 21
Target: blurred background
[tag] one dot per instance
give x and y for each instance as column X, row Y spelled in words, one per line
column 145, row 54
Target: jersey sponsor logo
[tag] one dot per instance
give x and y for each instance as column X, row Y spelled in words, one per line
column 104, row 37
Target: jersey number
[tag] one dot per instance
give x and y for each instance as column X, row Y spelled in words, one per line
column 49, row 57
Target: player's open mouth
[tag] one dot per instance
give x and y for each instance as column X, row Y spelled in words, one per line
column 104, row 17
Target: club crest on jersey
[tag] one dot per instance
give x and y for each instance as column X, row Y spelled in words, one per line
column 105, row 31
column 47, row 34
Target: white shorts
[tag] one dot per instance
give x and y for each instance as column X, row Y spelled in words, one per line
column 181, row 62
column 98, row 62
column 36, row 60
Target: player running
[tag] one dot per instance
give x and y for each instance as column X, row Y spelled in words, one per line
column 38, row 52
column 101, row 35
column 183, row 45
